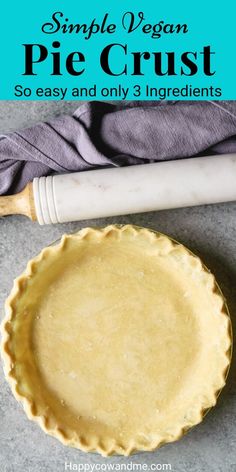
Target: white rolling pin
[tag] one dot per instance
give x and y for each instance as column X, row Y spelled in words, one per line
column 125, row 190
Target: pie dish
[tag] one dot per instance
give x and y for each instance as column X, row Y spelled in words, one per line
column 116, row 340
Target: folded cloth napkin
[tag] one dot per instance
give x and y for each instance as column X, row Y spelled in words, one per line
column 103, row 134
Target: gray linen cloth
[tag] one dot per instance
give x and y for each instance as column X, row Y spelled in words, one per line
column 103, row 134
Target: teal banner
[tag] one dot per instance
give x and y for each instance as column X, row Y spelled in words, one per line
column 136, row 50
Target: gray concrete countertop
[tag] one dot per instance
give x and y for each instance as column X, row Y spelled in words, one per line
column 209, row 231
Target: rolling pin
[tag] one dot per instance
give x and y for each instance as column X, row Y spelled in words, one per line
column 124, row 190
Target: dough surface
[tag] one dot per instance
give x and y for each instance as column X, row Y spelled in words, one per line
column 120, row 339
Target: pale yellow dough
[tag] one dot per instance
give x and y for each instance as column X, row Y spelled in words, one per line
column 116, row 340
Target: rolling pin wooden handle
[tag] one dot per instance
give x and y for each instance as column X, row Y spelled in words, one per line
column 20, row 204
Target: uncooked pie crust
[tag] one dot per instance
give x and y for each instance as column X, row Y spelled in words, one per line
column 116, row 340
